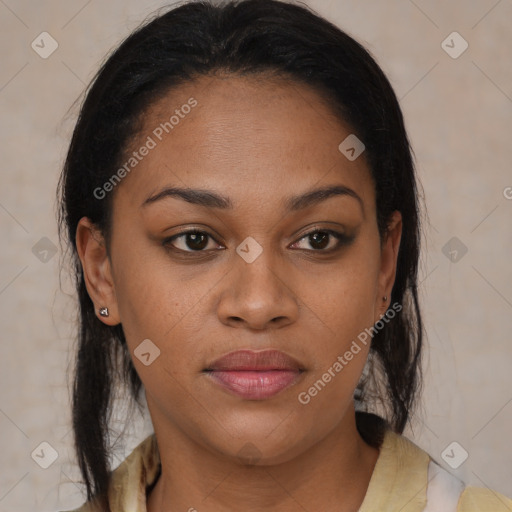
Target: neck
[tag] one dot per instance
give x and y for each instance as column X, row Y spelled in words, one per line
column 337, row 469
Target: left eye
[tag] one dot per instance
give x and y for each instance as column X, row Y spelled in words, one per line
column 320, row 239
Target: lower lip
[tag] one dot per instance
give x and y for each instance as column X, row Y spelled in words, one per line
column 255, row 385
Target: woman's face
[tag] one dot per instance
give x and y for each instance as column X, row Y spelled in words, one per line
column 263, row 273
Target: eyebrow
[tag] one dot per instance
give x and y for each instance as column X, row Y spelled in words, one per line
column 210, row 199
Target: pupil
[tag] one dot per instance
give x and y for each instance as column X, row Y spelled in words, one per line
column 196, row 238
column 323, row 239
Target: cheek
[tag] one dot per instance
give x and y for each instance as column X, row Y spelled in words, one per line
column 341, row 346
column 342, row 299
column 159, row 302
column 147, row 295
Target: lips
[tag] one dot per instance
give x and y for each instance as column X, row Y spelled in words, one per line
column 257, row 361
column 255, row 375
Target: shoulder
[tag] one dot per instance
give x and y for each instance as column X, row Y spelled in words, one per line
column 444, row 489
column 406, row 478
column 480, row 499
column 129, row 481
column 399, row 478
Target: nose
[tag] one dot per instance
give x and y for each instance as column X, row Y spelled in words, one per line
column 258, row 295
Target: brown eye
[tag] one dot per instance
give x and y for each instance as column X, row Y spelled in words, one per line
column 319, row 240
column 189, row 241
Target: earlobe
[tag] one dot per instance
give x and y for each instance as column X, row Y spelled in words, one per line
column 389, row 258
column 96, row 267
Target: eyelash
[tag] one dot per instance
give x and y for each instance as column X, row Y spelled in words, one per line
column 343, row 240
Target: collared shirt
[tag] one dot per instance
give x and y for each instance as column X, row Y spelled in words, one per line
column 400, row 481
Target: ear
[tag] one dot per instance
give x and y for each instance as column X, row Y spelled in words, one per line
column 389, row 257
column 96, row 266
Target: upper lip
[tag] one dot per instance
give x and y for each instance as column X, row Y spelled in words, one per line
column 246, row 360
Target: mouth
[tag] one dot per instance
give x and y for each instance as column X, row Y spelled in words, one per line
column 255, row 375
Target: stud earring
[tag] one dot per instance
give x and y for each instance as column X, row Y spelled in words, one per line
column 103, row 311
column 385, row 298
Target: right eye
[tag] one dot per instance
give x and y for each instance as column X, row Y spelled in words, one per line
column 189, row 241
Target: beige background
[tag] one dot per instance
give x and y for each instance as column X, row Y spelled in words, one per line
column 458, row 113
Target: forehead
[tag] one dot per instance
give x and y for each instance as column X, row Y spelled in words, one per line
column 253, row 138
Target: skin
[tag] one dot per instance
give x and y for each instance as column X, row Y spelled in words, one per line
column 257, row 141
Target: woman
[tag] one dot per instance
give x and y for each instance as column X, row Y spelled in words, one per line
column 240, row 199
